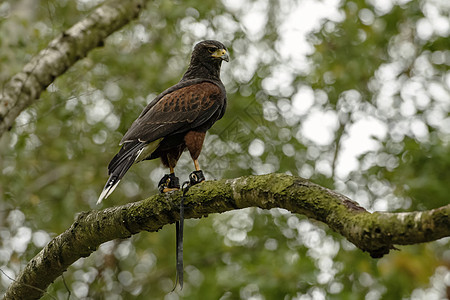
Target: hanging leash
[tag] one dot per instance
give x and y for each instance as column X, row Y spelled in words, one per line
column 179, row 237
column 194, row 178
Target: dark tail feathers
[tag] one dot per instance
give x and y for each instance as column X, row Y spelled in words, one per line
column 119, row 165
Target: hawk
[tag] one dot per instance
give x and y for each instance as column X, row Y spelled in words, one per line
column 176, row 120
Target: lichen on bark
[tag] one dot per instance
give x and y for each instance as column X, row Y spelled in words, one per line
column 375, row 233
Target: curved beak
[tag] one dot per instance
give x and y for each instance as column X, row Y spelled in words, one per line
column 222, row 54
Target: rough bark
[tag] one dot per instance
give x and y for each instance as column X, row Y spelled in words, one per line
column 376, row 233
column 61, row 53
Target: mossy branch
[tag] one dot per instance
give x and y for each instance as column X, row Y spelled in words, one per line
column 60, row 54
column 376, row 233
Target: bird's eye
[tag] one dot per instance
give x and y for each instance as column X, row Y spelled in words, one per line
column 212, row 49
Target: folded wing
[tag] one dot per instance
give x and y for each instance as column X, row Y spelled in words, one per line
column 180, row 109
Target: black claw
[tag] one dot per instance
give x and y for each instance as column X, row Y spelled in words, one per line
column 169, row 181
column 196, row 177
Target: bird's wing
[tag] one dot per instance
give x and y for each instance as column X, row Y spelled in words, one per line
column 176, row 111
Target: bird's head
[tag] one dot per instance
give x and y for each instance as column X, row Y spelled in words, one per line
column 211, row 51
column 206, row 60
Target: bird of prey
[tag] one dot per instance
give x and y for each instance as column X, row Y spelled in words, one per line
column 177, row 119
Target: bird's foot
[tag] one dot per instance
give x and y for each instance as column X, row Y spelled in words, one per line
column 169, row 183
column 196, row 177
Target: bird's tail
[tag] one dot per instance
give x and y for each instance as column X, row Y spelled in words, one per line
column 119, row 165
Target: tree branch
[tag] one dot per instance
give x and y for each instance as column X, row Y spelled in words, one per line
column 375, row 233
column 61, row 53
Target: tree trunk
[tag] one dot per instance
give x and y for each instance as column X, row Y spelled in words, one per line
column 61, row 53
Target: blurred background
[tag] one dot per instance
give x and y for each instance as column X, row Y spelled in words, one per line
column 353, row 95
